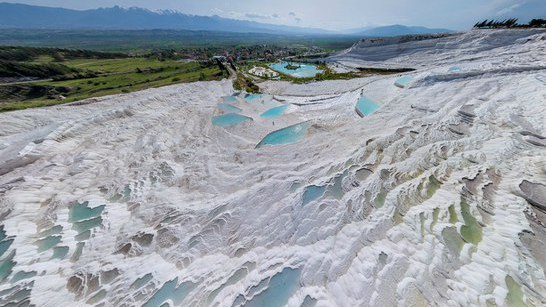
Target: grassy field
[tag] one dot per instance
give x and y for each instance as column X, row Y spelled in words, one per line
column 142, row 41
column 48, row 70
column 111, row 76
column 59, row 66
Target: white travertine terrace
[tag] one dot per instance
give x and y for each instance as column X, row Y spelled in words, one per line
column 434, row 199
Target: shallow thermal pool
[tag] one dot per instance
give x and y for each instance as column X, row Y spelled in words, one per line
column 230, row 99
column 403, row 81
column 230, row 119
column 288, row 135
column 252, row 97
column 312, row 193
column 304, row 71
column 227, row 108
column 281, row 286
column 366, row 106
column 274, row 112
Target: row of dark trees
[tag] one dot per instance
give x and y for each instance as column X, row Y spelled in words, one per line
column 510, row 23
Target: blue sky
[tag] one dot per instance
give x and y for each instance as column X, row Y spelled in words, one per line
column 335, row 14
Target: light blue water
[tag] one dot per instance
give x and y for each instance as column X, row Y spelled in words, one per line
column 47, row 243
column 230, row 119
column 60, row 252
column 230, row 99
column 22, row 275
column 403, row 82
column 6, row 266
column 335, row 190
column 251, row 97
column 288, row 135
column 281, row 287
column 82, row 226
column 365, row 106
column 306, row 70
column 170, row 291
column 2, row 233
column 274, row 112
column 227, row 108
column 4, row 245
column 454, row 68
column 312, row 193
column 55, row 230
column 233, row 279
column 80, row 212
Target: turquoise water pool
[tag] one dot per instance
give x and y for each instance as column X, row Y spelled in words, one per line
column 47, row 243
column 4, row 245
column 278, row 292
column 403, row 81
column 274, row 112
column 230, row 119
column 227, row 108
column 170, row 291
column 22, row 275
column 252, row 97
column 312, row 193
column 335, row 189
column 60, row 252
column 288, row 135
column 6, row 266
column 305, row 70
column 80, row 212
column 83, row 226
column 366, row 106
column 230, row 99
column 455, row 68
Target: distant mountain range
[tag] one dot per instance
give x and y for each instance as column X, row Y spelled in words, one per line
column 22, row 16
column 396, row 30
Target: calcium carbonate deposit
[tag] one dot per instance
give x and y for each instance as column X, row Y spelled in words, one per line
column 437, row 198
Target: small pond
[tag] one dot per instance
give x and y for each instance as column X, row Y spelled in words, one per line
column 227, row 108
column 274, row 112
column 366, row 106
column 403, row 81
column 303, row 70
column 230, row 119
column 288, row 135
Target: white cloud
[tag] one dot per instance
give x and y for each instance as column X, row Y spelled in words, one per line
column 216, row 11
column 257, row 16
column 509, row 9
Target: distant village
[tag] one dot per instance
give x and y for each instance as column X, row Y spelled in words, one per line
column 238, row 54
